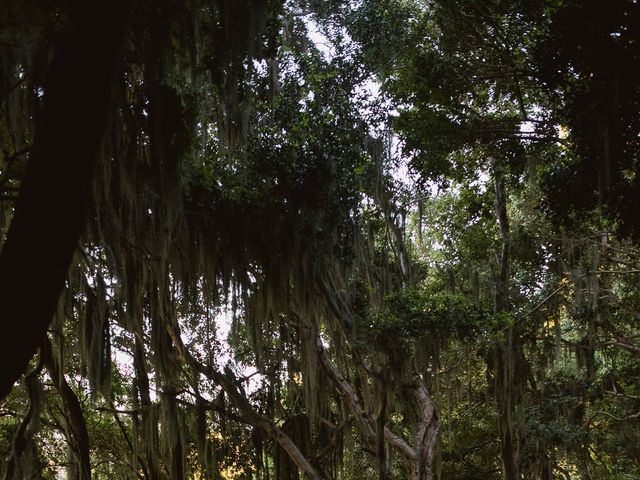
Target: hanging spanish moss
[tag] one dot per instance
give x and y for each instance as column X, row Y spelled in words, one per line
column 311, row 241
column 24, row 461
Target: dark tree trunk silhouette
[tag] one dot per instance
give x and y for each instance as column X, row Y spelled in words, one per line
column 51, row 211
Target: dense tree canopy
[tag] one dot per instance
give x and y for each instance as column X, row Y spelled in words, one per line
column 255, row 239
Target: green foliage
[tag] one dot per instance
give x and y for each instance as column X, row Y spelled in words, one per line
column 413, row 315
column 248, row 218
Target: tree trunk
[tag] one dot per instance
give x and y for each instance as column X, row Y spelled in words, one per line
column 23, row 461
column 147, row 427
column 76, row 427
column 51, row 211
column 419, row 456
column 427, row 433
column 505, row 354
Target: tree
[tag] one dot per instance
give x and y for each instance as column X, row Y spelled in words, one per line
column 55, row 192
column 258, row 290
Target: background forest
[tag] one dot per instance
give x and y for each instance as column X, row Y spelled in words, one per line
column 265, row 239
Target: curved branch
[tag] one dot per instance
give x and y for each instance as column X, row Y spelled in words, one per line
column 232, row 388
